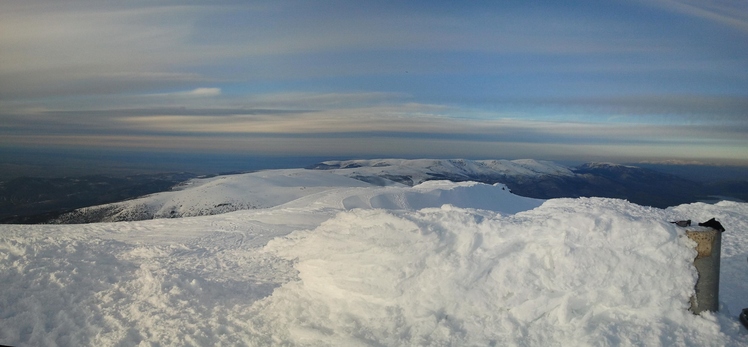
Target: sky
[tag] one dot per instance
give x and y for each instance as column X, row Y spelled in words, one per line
column 619, row 81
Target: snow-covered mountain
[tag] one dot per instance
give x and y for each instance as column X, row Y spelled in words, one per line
column 294, row 187
column 220, row 194
column 43, row 200
column 263, row 189
column 533, row 178
column 345, row 263
column 415, row 171
column 30, row 200
column 530, row 178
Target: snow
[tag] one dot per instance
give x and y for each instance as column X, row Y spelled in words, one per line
column 265, row 189
column 420, row 170
column 352, row 264
column 598, row 165
column 221, row 194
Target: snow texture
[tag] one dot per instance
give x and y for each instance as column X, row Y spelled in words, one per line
column 438, row 264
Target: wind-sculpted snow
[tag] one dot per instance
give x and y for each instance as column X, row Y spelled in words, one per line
column 428, row 194
column 438, row 264
column 570, row 273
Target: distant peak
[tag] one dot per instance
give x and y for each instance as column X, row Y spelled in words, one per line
column 457, row 169
column 600, row 165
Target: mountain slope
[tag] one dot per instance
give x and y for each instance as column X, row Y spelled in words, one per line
column 37, row 199
column 532, row 178
column 298, row 188
column 415, row 171
column 642, row 186
column 221, row 194
column 529, row 178
column 270, row 188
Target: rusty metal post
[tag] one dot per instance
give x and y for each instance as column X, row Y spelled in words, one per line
column 708, row 245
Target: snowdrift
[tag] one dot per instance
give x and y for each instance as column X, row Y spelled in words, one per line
column 449, row 264
column 585, row 272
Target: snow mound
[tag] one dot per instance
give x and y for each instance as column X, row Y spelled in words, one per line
column 495, row 197
column 571, row 272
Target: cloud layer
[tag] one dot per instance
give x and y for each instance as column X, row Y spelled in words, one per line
column 620, row 80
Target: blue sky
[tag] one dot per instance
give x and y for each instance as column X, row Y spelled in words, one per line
column 621, row 81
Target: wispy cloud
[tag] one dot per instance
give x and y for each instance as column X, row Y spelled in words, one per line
column 347, row 119
column 394, row 77
column 98, row 48
column 396, row 120
column 733, row 13
column 197, row 92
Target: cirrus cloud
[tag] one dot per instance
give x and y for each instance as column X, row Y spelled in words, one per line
column 197, row 92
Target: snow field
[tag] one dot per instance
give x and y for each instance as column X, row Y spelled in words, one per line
column 222, row 194
column 67, row 291
column 439, row 264
column 596, row 272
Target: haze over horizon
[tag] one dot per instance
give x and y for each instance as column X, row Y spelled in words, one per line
column 145, row 82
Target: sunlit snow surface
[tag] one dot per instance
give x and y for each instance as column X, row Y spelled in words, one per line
column 440, row 263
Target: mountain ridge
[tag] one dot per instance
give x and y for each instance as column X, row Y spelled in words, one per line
column 525, row 177
column 536, row 179
column 31, row 200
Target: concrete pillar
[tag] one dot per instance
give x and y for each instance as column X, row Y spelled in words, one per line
column 708, row 245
